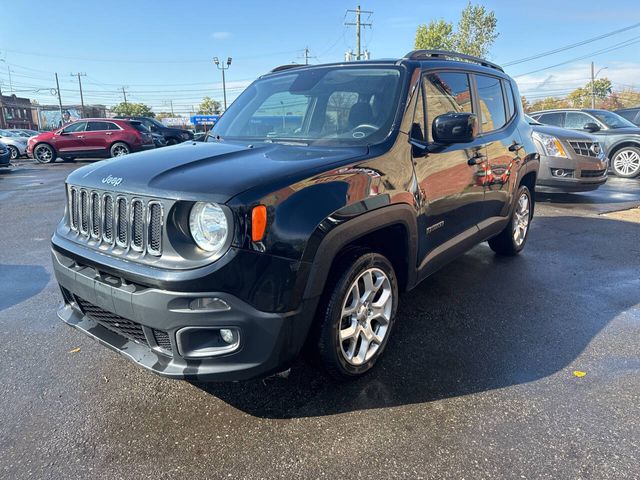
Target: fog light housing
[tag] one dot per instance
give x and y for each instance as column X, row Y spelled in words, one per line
column 202, row 342
column 209, row 304
column 562, row 172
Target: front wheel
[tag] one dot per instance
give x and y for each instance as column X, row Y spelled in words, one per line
column 13, row 151
column 512, row 239
column 44, row 153
column 119, row 149
column 626, row 162
column 358, row 317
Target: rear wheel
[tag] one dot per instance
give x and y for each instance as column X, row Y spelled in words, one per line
column 13, row 151
column 357, row 319
column 44, row 153
column 626, row 162
column 119, row 149
column 512, row 239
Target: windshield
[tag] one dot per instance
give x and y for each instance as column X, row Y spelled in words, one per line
column 531, row 121
column 328, row 105
column 611, row 120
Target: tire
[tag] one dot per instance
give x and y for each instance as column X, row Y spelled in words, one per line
column 172, row 141
column 44, row 153
column 119, row 149
column 364, row 324
column 513, row 238
column 626, row 162
column 14, row 152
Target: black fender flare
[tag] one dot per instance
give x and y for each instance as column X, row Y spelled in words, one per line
column 349, row 231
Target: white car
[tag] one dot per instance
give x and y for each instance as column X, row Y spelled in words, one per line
column 16, row 144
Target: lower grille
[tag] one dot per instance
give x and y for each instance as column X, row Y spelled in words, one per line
column 593, row 173
column 162, row 339
column 113, row 322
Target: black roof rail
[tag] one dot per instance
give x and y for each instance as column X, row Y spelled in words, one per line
column 286, row 67
column 438, row 54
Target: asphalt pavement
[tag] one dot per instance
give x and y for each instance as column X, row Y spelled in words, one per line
column 477, row 381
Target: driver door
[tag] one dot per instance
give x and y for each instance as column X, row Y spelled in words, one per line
column 71, row 139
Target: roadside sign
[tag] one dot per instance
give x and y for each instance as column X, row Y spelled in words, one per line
column 204, row 119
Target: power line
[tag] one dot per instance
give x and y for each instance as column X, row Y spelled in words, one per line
column 568, row 47
column 626, row 43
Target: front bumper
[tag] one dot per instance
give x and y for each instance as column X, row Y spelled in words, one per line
column 588, row 174
column 267, row 341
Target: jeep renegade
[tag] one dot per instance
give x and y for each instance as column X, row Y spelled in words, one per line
column 320, row 194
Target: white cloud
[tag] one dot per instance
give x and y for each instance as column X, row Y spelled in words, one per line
column 220, row 35
column 559, row 82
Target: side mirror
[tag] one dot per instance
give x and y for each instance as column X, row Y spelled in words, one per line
column 455, row 128
column 591, row 127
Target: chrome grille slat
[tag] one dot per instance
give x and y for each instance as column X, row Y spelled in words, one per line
column 95, row 215
column 118, row 223
column 583, row 148
column 137, row 225
column 122, row 222
column 107, row 223
column 84, row 212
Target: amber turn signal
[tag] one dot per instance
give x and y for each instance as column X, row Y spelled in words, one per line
column 258, row 222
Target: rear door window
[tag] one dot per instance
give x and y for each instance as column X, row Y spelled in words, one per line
column 97, row 126
column 491, row 100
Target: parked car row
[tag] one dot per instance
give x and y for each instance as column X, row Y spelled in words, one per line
column 16, row 144
column 618, row 137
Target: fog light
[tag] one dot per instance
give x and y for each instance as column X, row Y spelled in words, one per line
column 562, row 172
column 227, row 335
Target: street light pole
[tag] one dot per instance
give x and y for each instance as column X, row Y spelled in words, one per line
column 593, row 84
column 221, row 66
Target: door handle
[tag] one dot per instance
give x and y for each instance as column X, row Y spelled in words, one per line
column 108, row 133
column 515, row 146
column 80, row 136
column 476, row 160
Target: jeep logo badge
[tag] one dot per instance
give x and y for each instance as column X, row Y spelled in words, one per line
column 113, row 181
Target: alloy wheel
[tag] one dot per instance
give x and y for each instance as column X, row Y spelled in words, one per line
column 365, row 317
column 120, row 150
column 521, row 219
column 627, row 162
column 43, row 154
column 14, row 152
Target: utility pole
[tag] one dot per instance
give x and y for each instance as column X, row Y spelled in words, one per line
column 171, row 102
column 306, row 55
column 358, row 24
column 10, row 81
column 593, row 86
column 124, row 94
column 221, row 66
column 80, row 85
column 3, row 123
column 59, row 99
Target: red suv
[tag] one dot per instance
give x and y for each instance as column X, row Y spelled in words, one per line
column 90, row 137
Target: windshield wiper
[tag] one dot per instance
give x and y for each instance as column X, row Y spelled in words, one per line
column 282, row 141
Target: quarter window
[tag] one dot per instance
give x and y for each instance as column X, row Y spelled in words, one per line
column 491, row 99
column 446, row 92
column 508, row 90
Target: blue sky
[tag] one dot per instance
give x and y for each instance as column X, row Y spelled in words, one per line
column 162, row 50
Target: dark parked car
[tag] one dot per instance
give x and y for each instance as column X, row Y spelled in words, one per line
column 172, row 135
column 618, row 136
column 92, row 138
column 5, row 156
column 223, row 260
column 631, row 114
column 570, row 161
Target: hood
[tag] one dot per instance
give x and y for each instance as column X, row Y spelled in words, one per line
column 22, row 141
column 208, row 171
column 563, row 133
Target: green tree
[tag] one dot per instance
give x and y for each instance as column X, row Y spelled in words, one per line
column 209, row 106
column 548, row 103
column 581, row 97
column 133, row 109
column 474, row 35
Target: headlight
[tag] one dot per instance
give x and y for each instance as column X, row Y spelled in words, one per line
column 550, row 144
column 209, row 226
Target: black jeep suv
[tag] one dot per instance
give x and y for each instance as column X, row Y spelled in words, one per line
column 322, row 193
column 172, row 135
